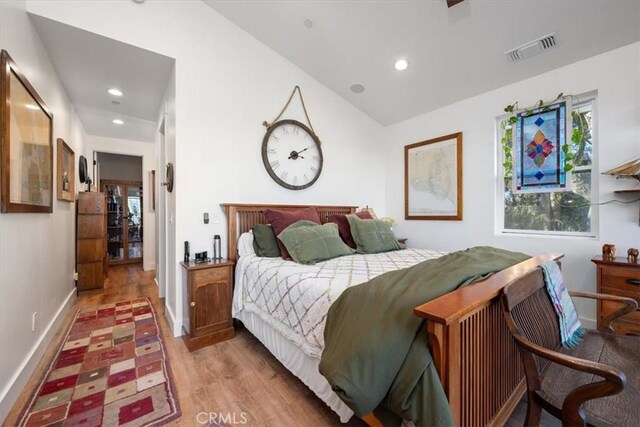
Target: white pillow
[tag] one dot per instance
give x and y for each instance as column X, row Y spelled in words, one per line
column 245, row 244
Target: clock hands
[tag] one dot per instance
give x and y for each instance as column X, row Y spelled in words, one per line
column 296, row 154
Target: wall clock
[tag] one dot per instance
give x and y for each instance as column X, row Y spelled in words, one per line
column 82, row 169
column 292, row 154
column 168, row 177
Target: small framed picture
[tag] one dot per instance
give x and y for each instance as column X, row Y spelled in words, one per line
column 66, row 172
column 433, row 179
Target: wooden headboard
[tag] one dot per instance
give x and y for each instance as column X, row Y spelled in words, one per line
column 242, row 217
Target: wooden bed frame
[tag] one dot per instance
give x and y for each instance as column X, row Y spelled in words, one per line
column 474, row 353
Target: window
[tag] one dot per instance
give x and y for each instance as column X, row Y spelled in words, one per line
column 559, row 213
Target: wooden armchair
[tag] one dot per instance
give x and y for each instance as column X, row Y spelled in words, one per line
column 573, row 384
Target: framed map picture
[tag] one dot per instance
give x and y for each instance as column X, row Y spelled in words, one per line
column 433, row 179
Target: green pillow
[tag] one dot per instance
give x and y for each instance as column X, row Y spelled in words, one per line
column 264, row 241
column 308, row 242
column 373, row 236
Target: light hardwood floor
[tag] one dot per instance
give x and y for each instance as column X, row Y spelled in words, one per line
column 237, row 378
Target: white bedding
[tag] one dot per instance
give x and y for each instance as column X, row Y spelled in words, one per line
column 284, row 305
column 294, row 299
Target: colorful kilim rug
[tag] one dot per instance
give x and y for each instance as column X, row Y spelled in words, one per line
column 112, row 370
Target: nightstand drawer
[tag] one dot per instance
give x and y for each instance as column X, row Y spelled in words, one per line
column 212, row 275
column 623, row 279
column 609, row 307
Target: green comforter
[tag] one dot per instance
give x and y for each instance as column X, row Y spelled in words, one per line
column 376, row 353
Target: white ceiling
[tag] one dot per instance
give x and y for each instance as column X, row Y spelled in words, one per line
column 454, row 53
column 89, row 64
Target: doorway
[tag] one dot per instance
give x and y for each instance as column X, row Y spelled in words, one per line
column 125, row 232
column 121, row 181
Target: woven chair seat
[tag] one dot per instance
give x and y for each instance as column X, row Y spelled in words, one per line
column 619, row 351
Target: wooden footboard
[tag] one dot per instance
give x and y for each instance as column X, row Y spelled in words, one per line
column 474, row 353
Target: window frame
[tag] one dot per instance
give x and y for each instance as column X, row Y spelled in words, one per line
column 500, row 229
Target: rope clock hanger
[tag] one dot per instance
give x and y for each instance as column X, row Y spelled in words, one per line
column 291, row 150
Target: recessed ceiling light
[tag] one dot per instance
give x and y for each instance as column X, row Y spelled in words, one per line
column 308, row 23
column 118, row 122
column 401, row 64
column 357, row 88
column 115, row 92
column 32, row 106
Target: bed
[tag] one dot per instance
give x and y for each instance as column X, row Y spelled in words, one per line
column 475, row 356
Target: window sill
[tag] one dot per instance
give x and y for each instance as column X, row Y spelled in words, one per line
column 547, row 234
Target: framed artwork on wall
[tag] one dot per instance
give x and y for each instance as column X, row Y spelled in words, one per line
column 433, row 179
column 66, row 166
column 26, row 144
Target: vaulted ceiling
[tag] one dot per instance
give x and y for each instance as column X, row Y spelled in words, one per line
column 454, row 53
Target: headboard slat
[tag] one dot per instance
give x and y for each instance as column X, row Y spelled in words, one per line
column 242, row 217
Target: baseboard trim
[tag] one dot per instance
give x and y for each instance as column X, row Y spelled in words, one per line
column 19, row 379
column 589, row 323
column 176, row 327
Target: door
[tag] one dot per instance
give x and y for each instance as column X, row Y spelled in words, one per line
column 161, row 229
column 124, row 221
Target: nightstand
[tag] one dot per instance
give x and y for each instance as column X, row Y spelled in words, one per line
column 622, row 278
column 209, row 294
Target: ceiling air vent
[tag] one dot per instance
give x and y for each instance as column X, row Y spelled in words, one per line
column 532, row 48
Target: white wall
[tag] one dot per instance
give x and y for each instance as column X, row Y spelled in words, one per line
column 120, row 167
column 227, row 83
column 616, row 77
column 37, row 251
column 148, row 153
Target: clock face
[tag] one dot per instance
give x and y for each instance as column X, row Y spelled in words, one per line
column 292, row 155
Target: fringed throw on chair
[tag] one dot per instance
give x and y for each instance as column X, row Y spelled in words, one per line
column 571, row 331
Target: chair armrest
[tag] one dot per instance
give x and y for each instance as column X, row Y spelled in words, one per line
column 613, row 383
column 629, row 305
column 608, row 372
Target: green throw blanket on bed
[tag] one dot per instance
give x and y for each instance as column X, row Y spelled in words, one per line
column 376, row 353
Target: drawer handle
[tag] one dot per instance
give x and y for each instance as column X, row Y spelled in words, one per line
column 193, row 304
column 633, row 282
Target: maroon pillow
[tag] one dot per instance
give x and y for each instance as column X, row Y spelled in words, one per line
column 280, row 220
column 345, row 229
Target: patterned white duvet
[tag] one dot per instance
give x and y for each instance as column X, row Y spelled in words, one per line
column 294, row 299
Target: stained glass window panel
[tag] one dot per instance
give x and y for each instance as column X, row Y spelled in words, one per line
column 538, row 156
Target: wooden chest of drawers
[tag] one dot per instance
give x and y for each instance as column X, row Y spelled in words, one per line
column 91, row 230
column 618, row 277
column 209, row 294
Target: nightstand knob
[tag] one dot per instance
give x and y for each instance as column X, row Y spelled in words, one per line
column 193, row 304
